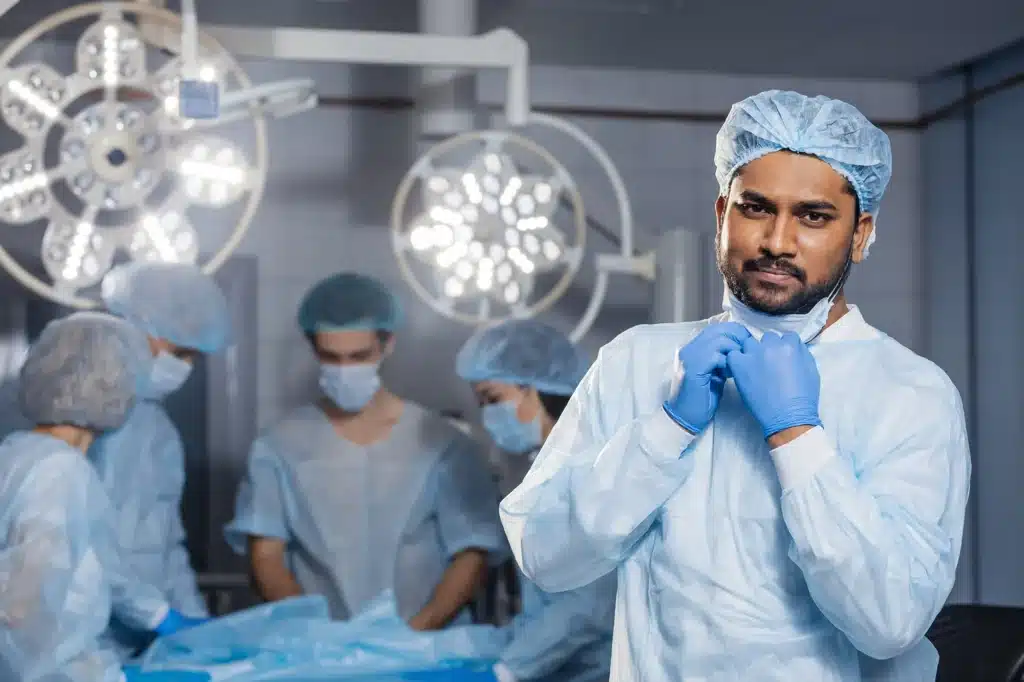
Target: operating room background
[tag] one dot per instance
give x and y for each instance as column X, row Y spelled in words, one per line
column 941, row 278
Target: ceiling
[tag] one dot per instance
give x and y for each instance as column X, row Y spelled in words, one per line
column 883, row 39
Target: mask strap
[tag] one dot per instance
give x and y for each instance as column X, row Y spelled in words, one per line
column 836, row 289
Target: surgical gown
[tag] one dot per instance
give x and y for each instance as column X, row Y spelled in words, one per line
column 359, row 520
column 58, row 563
column 826, row 559
column 564, row 636
column 142, row 466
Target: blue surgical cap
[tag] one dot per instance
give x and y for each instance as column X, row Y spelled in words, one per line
column 171, row 301
column 348, row 302
column 832, row 130
column 84, row 370
column 524, row 352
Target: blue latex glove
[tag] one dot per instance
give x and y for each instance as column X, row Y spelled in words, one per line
column 778, row 380
column 176, row 622
column 703, row 362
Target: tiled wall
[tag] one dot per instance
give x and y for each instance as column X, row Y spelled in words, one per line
column 333, row 171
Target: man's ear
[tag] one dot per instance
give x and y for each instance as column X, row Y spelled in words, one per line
column 861, row 233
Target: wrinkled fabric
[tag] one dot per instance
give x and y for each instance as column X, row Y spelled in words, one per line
column 83, row 370
column 58, row 561
column 562, row 637
column 522, row 352
column 142, row 467
column 349, row 302
column 726, row 574
column 359, row 520
column 830, row 129
column 295, row 639
column 176, row 302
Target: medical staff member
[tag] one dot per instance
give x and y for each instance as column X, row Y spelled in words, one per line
column 61, row 567
column 781, row 489
column 183, row 313
column 363, row 491
column 523, row 373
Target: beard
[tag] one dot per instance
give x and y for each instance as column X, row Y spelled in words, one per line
column 799, row 302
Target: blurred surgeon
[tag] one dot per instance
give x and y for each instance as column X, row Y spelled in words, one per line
column 363, row 491
column 523, row 373
column 142, row 464
column 59, row 558
column 781, row 489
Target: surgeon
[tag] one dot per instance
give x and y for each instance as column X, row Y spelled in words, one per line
column 780, row 489
column 523, row 373
column 363, row 491
column 61, row 567
column 183, row 313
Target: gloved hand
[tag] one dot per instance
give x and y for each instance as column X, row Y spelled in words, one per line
column 778, row 380
column 175, row 621
column 703, row 362
column 502, row 673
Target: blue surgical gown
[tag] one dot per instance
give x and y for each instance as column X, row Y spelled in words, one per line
column 142, row 466
column 359, row 520
column 826, row 559
column 59, row 564
column 564, row 636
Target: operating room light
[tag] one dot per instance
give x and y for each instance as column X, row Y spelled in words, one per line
column 106, row 165
column 488, row 229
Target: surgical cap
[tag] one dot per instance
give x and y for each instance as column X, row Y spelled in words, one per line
column 524, row 352
column 832, row 130
column 171, row 301
column 347, row 302
column 84, row 370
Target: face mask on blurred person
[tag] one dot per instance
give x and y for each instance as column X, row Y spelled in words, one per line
column 167, row 374
column 510, row 434
column 350, row 387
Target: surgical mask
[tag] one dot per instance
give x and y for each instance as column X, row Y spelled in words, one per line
column 510, row 434
column 805, row 325
column 350, row 387
column 808, row 326
column 166, row 375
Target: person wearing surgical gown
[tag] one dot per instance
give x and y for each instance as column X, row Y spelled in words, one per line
column 183, row 313
column 523, row 373
column 63, row 575
column 363, row 491
column 780, row 490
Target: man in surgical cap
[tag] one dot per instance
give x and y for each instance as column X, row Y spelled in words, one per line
column 781, row 489
column 59, row 557
column 523, row 373
column 363, row 491
column 183, row 313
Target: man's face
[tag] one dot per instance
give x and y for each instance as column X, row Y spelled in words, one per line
column 156, row 346
column 355, row 347
column 786, row 232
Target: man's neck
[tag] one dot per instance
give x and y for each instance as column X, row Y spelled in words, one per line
column 839, row 308
column 77, row 437
column 369, row 425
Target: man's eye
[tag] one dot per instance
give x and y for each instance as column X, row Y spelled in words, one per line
column 752, row 209
column 817, row 218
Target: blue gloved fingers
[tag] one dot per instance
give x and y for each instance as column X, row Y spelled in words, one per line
column 733, row 330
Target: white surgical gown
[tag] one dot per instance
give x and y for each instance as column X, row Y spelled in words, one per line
column 359, row 520
column 142, row 466
column 564, row 636
column 57, row 564
column 824, row 560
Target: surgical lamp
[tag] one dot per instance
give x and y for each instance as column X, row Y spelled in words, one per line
column 475, row 235
column 107, row 159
